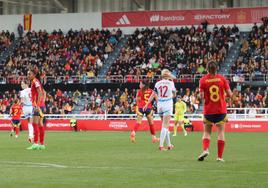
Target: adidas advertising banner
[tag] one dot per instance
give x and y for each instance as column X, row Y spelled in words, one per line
column 183, row 17
column 256, row 125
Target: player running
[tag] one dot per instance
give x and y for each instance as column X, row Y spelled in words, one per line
column 38, row 100
column 180, row 109
column 26, row 101
column 142, row 98
column 213, row 87
column 15, row 113
column 165, row 92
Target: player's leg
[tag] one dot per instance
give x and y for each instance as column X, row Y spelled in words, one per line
column 221, row 141
column 30, row 129
column 175, row 126
column 42, row 134
column 167, row 110
column 28, row 112
column 137, row 125
column 206, row 141
column 150, row 119
column 36, row 120
column 166, row 123
column 181, row 124
column 17, row 129
column 13, row 128
column 162, row 134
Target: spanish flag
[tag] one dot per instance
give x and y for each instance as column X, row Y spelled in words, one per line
column 27, row 22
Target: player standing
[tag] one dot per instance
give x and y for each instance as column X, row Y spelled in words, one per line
column 15, row 113
column 38, row 100
column 213, row 87
column 26, row 100
column 165, row 92
column 180, row 109
column 142, row 98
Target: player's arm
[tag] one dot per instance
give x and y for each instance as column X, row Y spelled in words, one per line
column 174, row 94
column 153, row 95
column 21, row 98
column 201, row 89
column 228, row 91
column 40, row 96
column 176, row 109
column 11, row 111
column 184, row 107
column 174, row 90
column 138, row 98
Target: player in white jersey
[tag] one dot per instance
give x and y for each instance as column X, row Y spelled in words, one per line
column 26, row 100
column 165, row 91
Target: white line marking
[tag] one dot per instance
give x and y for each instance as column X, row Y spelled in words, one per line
column 21, row 163
column 52, row 165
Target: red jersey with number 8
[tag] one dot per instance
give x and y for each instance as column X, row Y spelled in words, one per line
column 143, row 98
column 214, row 87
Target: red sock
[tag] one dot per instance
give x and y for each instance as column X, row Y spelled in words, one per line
column 36, row 132
column 221, row 144
column 17, row 129
column 152, row 130
column 42, row 134
column 136, row 127
column 206, row 143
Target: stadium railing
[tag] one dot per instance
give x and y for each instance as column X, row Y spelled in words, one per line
column 233, row 114
column 131, row 78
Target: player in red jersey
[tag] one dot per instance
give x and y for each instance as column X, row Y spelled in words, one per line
column 141, row 99
column 15, row 113
column 213, row 88
column 38, row 100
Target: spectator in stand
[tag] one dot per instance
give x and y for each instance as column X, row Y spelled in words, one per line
column 20, row 30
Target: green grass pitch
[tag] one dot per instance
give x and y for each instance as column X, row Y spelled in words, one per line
column 108, row 159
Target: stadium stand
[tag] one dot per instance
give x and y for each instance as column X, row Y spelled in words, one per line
column 253, row 58
column 75, row 53
column 183, row 50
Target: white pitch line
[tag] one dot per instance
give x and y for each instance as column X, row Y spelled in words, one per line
column 33, row 164
column 170, row 169
column 52, row 165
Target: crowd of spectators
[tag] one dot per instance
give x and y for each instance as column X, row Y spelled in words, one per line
column 253, row 58
column 6, row 38
column 75, row 53
column 183, row 50
column 123, row 101
column 249, row 98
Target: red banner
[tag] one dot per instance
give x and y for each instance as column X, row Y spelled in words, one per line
column 183, row 17
column 127, row 125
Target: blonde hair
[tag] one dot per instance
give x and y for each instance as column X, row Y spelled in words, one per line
column 166, row 74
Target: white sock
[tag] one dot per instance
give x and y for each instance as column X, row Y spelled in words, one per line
column 168, row 138
column 163, row 136
column 30, row 129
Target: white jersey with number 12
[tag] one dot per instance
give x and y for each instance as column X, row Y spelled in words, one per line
column 164, row 89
